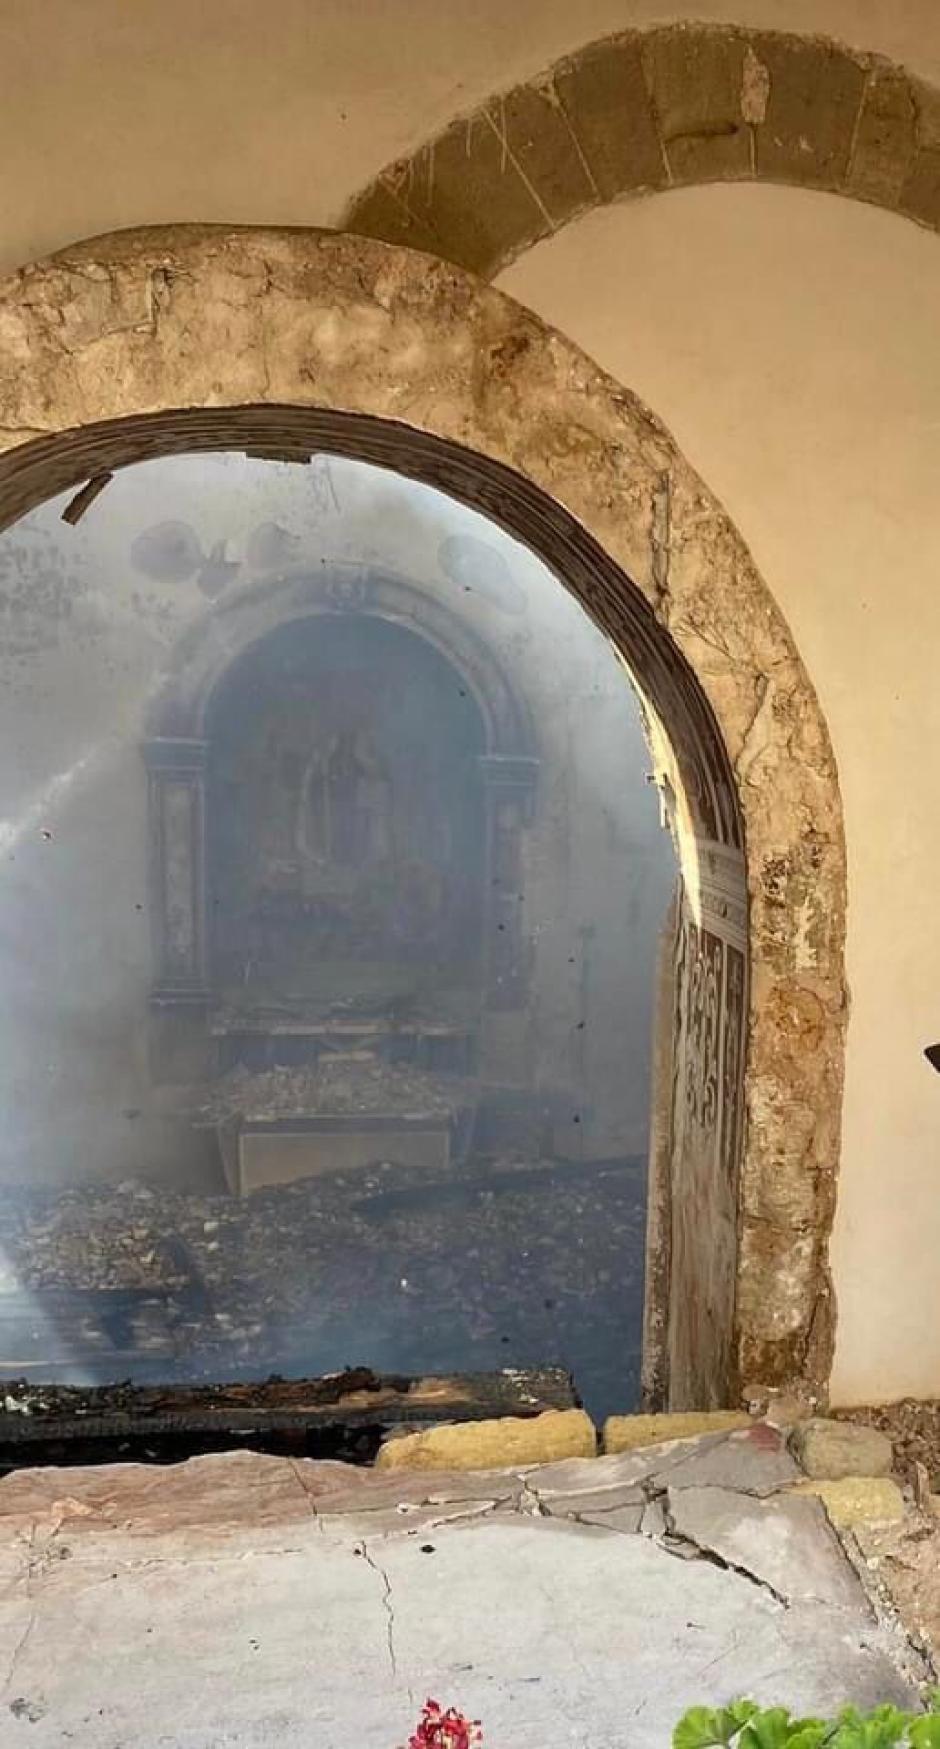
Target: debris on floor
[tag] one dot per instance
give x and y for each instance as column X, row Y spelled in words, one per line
column 351, row 1082
column 508, row 1262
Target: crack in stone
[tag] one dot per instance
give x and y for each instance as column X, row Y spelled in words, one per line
column 508, row 157
column 308, row 1497
column 865, row 93
column 20, row 1648
column 660, row 538
column 757, row 735
column 387, row 1605
column 530, row 1500
column 714, row 642
column 33, row 1617
column 676, row 1541
column 597, row 1523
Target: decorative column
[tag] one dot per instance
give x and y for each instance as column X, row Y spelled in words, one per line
column 178, row 869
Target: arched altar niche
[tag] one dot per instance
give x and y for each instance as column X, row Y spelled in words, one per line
column 308, row 850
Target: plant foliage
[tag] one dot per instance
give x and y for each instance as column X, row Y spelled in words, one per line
column 745, row 1725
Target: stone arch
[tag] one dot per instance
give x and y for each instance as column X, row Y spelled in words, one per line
column 281, row 344
column 648, row 110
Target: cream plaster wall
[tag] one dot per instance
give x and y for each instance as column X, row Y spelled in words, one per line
column 131, row 112
column 789, row 340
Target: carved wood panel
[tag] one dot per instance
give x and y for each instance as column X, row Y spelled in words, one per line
column 709, row 994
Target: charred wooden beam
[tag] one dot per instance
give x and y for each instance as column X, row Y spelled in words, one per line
column 325, row 1414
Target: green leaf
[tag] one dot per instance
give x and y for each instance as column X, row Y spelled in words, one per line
column 742, row 1710
column 729, row 1720
column 883, row 1728
column 924, row 1732
column 744, row 1725
column 698, row 1729
column 768, row 1730
column 809, row 1734
column 848, row 1734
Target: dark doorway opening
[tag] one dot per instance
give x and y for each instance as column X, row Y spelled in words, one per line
column 361, row 1072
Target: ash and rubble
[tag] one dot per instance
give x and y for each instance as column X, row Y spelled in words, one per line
column 359, row 1083
column 509, row 1261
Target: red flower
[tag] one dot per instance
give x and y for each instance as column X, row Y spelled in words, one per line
column 440, row 1730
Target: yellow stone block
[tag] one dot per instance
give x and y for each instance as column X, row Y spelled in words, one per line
column 630, row 1432
column 857, row 1499
column 489, row 1445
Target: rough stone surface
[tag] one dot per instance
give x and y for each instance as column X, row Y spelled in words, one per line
column 854, row 1500
column 479, row 1445
column 134, row 1610
column 831, row 1449
column 902, row 1559
column 781, row 1410
column 288, row 342
column 632, row 1432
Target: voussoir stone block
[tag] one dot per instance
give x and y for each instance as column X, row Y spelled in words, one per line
column 696, row 78
column 829, row 1450
column 920, row 192
column 485, row 1445
column 885, row 139
column 467, row 188
column 605, row 98
column 814, row 91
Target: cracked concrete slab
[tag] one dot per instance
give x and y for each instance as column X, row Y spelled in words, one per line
column 598, row 1500
column 627, row 1469
column 754, row 1461
column 784, row 1544
column 161, row 1607
column 626, row 1519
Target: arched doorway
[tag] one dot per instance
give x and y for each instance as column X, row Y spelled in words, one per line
column 378, row 1086
column 373, row 352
